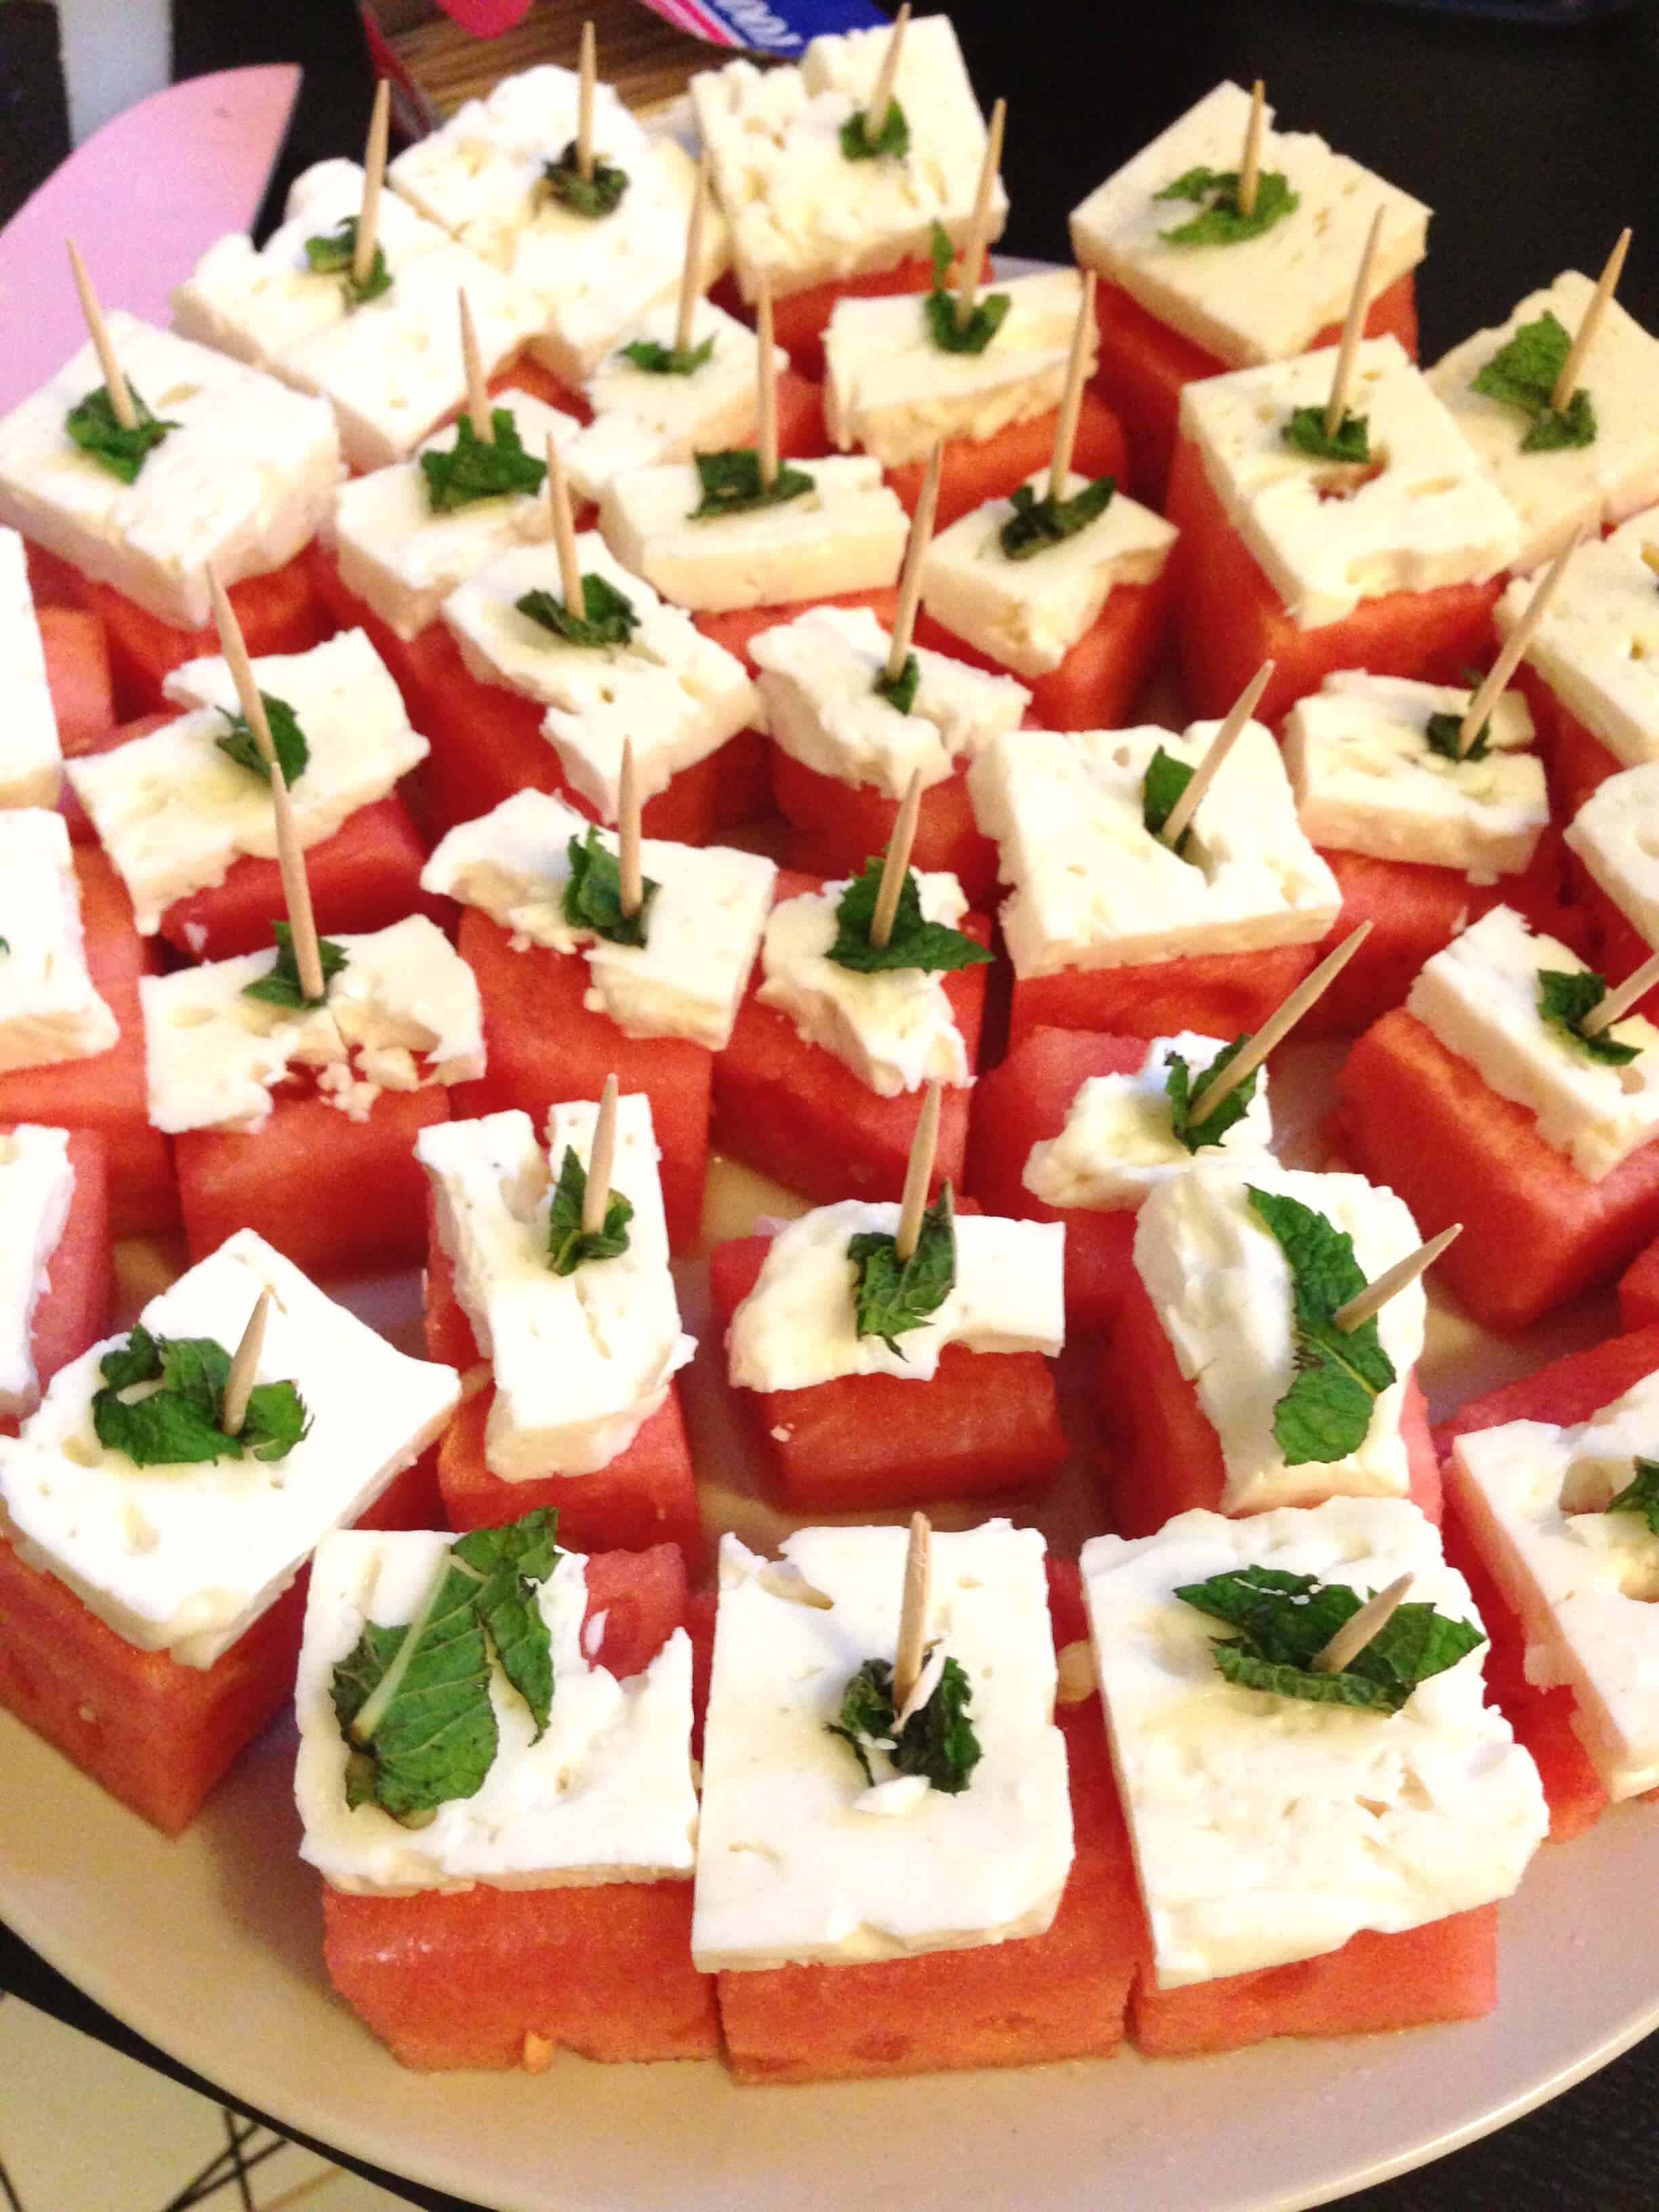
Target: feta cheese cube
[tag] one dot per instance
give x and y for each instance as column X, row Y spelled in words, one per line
column 1479, row 997
column 1427, row 517
column 402, row 1014
column 1616, row 833
column 1368, row 781
column 846, row 534
column 49, row 1011
column 1222, row 1287
column 797, row 1326
column 1270, row 1829
column 37, row 1185
column 801, row 213
column 1027, row 615
column 403, row 559
column 1581, row 1581
column 1118, row 1143
column 581, row 1361
column 819, row 676
column 1576, row 486
column 794, row 1866
column 1262, row 299
column 31, row 762
column 239, row 486
column 1597, row 647
column 185, row 1558
column 895, row 1029
column 175, row 814
column 1094, row 887
column 676, row 693
column 703, row 930
column 604, row 1794
column 891, row 391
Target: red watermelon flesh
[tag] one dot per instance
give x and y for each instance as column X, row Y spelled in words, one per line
column 1566, row 1392
column 737, row 627
column 1215, row 994
column 834, row 827
column 1579, row 762
column 799, row 320
column 977, row 470
column 1100, row 680
column 1616, row 948
column 403, row 657
column 77, row 676
column 73, row 1311
column 1638, row 1290
column 279, row 613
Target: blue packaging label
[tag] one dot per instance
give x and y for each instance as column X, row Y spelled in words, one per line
column 769, row 26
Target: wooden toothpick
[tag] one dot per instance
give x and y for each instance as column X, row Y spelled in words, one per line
column 1618, row 1003
column 234, row 648
column 1179, row 817
column 1250, row 167
column 1594, row 315
column 766, row 368
column 1071, row 400
column 369, row 214
column 912, row 1612
column 564, row 533
column 1353, row 329
column 1370, row 1301
column 915, row 554
column 1495, row 682
column 875, row 116
column 1355, row 1633
column 632, row 892
column 296, row 889
column 897, row 861
column 691, row 274
column 918, row 1175
column 120, row 396
column 239, row 1384
column 587, row 69
column 1277, row 1027
column 978, row 229
column 1650, row 558
column 478, row 392
column 601, row 1159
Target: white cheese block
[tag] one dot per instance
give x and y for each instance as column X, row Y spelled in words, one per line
column 1367, row 779
column 846, row 534
column 604, row 1795
column 1262, row 299
column 240, row 486
column 1224, row 1293
column 37, row 1185
column 1270, row 1829
column 1093, row 888
column 31, row 760
column 175, row 814
column 1479, row 997
column 801, row 213
column 702, row 931
column 1616, row 833
column 1582, row 1581
column 184, row 1559
column 797, row 1326
column 1430, row 516
column 1576, row 487
column 1118, row 1143
column 895, row 1029
column 401, row 1015
column 1027, row 615
column 49, row 1011
column 403, row 559
column 818, row 676
column 794, row 1865
column 1597, row 647
column 890, row 390
column 676, row 693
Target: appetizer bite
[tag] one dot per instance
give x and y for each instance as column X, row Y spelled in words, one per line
column 31, row 755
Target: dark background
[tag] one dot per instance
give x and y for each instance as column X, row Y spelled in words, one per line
column 1533, row 145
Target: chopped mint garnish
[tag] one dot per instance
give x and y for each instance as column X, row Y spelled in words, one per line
column 610, row 617
column 668, row 360
column 1524, row 372
column 1564, row 1001
column 570, row 1246
column 1285, row 1620
column 938, row 1740
column 940, row 306
column 598, row 195
column 893, row 138
column 177, row 1424
column 1166, row 778
column 1181, row 1089
column 280, row 985
column 732, row 484
column 913, row 941
column 1641, row 1496
column 413, row 1703
column 592, row 897
column 1222, row 221
column 331, row 254
column 1441, row 733
column 1326, row 1411
column 477, row 468
column 288, row 741
column 892, row 1296
column 1037, row 524
column 900, row 691
column 1304, row 431
column 94, row 428
column 5, row 947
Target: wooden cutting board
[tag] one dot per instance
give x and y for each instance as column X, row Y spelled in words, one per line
column 649, row 62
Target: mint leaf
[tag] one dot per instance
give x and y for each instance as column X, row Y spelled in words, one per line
column 1304, row 432
column 938, row 306
column 1325, row 1413
column 514, row 1561
column 601, row 194
column 1565, row 997
column 476, row 468
column 913, row 941
column 288, row 741
column 92, row 424
column 1222, row 221
column 281, row 986
column 1179, row 1088
column 592, row 897
column 137, row 1360
column 1441, row 732
column 177, row 1423
column 892, row 1296
column 900, row 691
column 938, row 1741
column 1035, row 524
column 1523, row 374
column 1642, row 1495
column 609, row 618
column 331, row 254
column 892, row 138
column 570, row 1246
column 732, row 484
column 1558, row 428
column 667, row 361
column 1166, row 778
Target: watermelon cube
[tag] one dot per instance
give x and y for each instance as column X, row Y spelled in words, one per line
column 735, row 627
column 976, row 471
column 1638, row 1290
column 72, row 1311
column 1566, row 1392
column 799, row 320
column 1216, row 994
column 834, row 827
column 279, row 613
column 1579, row 762
column 77, row 675
column 1099, row 682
